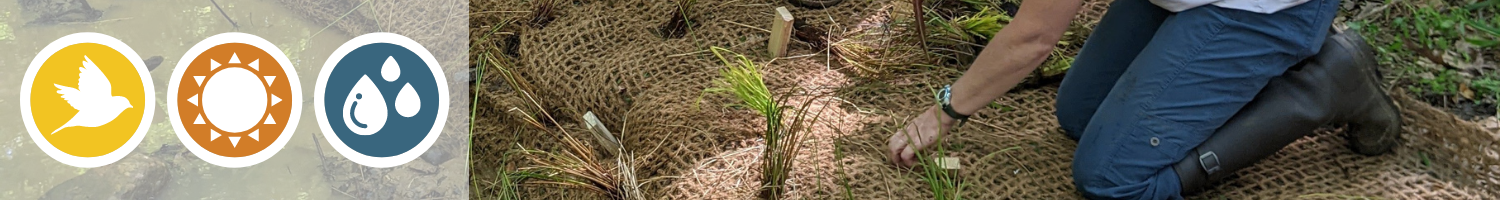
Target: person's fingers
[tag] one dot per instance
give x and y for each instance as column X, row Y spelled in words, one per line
column 897, row 142
column 920, row 136
column 908, row 137
column 909, row 156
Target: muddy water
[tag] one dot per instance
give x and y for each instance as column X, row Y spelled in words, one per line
column 168, row 28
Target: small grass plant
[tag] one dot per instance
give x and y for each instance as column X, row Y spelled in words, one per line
column 743, row 79
column 945, row 184
column 578, row 164
column 961, row 37
column 576, row 167
column 506, row 185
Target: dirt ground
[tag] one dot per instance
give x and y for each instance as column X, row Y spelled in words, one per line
column 604, row 57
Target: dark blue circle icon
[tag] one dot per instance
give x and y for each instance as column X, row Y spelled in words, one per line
column 381, row 100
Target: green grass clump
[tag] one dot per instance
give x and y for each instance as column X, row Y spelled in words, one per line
column 970, row 29
column 943, row 183
column 983, row 24
column 1058, row 64
column 742, row 77
column 507, row 182
column 960, row 37
column 576, row 167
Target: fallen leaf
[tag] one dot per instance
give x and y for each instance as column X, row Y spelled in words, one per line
column 1463, row 89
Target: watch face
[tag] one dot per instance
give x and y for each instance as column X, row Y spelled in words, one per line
column 947, row 94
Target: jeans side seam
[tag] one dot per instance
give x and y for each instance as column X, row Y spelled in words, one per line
column 1152, row 97
column 1181, row 65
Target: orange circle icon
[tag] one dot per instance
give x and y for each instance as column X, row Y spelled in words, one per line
column 234, row 100
column 233, row 104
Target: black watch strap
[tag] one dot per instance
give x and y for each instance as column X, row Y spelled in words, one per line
column 948, row 109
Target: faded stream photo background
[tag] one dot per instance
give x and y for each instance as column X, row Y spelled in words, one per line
column 307, row 31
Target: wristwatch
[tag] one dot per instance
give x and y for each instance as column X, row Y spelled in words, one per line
column 946, row 99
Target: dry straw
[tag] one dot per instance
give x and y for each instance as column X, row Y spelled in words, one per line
column 577, row 165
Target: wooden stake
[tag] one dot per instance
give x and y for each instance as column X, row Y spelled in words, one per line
column 606, row 139
column 781, row 31
column 948, row 163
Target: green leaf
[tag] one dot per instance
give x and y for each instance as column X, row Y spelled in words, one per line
column 1486, row 43
column 1480, row 5
column 1425, row 160
column 1484, row 27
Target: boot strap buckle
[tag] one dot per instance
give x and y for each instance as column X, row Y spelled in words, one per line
column 1209, row 161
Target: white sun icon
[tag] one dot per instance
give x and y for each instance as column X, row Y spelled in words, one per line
column 229, row 98
column 234, row 100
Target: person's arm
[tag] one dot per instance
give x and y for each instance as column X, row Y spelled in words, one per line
column 1016, row 50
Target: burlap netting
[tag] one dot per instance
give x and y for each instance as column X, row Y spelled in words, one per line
column 606, row 59
column 602, row 56
column 437, row 25
column 1320, row 165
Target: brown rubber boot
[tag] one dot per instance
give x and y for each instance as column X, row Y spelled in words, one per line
column 1339, row 85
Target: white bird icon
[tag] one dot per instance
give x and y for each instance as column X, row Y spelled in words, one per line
column 95, row 105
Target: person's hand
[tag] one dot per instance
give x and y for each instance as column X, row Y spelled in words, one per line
column 921, row 132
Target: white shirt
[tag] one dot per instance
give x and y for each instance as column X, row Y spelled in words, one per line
column 1259, row 6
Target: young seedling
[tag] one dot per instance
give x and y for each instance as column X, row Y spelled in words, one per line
column 507, row 182
column 969, row 30
column 941, row 173
column 742, row 78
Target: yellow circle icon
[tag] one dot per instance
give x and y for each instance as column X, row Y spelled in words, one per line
column 66, row 73
column 85, row 102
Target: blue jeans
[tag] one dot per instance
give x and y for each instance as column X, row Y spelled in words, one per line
column 1150, row 85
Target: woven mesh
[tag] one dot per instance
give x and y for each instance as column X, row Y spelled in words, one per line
column 603, row 57
column 434, row 26
column 615, row 67
column 1320, row 165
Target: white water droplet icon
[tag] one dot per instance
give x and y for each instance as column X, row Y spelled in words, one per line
column 390, row 71
column 407, row 101
column 365, row 108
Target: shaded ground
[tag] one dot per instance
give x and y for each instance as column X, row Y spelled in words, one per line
column 1442, row 51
